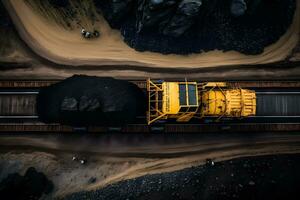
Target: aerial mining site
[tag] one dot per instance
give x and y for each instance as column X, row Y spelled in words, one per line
column 149, row 99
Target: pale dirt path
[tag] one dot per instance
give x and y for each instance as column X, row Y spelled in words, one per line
column 69, row 48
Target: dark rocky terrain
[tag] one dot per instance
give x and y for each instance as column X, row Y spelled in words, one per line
column 265, row 177
column 193, row 26
column 82, row 100
column 4, row 17
column 30, row 186
column 60, row 3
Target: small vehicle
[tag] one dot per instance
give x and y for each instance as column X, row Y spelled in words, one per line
column 88, row 34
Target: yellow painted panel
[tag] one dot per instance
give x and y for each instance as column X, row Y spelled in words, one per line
column 215, row 84
column 214, row 103
column 170, row 98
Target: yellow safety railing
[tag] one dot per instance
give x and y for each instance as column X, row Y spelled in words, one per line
column 154, row 112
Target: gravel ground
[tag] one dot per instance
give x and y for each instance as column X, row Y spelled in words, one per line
column 265, row 177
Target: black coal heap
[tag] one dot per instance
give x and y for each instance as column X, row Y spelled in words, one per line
column 84, row 100
column 193, row 26
column 30, row 186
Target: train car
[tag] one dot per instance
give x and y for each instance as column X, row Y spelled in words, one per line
column 186, row 100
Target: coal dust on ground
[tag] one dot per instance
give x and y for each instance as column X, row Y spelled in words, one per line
column 265, row 177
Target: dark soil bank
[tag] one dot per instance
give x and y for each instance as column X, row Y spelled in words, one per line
column 184, row 27
column 265, row 177
column 30, row 186
column 4, row 17
column 84, row 100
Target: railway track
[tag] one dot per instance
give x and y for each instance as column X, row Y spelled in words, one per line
column 277, row 111
column 282, row 101
column 13, row 84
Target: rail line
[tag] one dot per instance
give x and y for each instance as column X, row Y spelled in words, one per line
column 281, row 101
column 286, row 116
column 142, row 84
column 37, row 92
column 142, row 128
column 19, row 93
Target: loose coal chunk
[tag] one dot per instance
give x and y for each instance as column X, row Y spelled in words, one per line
column 60, row 3
column 83, row 100
column 114, row 11
column 169, row 17
column 155, row 13
column 30, row 186
column 238, row 7
column 184, row 18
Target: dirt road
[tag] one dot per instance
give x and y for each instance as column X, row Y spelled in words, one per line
column 112, row 158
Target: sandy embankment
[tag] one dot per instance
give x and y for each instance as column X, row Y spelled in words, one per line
column 58, row 45
column 112, row 158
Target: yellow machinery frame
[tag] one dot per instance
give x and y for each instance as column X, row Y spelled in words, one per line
column 163, row 104
column 212, row 86
column 154, row 112
column 237, row 102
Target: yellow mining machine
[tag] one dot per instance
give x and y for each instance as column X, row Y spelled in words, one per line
column 186, row 100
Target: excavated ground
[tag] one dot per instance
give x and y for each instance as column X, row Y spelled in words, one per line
column 18, row 61
column 117, row 157
column 45, row 38
column 266, row 177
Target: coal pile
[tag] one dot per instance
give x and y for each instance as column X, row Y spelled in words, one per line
column 60, row 3
column 30, row 186
column 194, row 26
column 84, row 100
column 265, row 177
column 115, row 11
